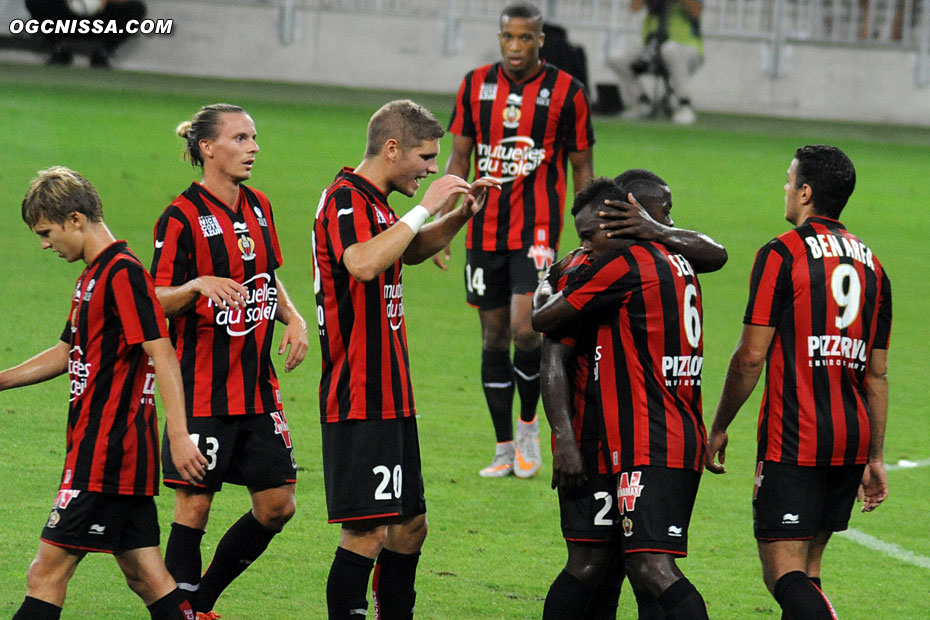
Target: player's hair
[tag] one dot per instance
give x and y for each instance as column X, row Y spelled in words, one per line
column 596, row 192
column 522, row 10
column 636, row 174
column 830, row 175
column 57, row 192
column 649, row 194
column 204, row 125
column 407, row 122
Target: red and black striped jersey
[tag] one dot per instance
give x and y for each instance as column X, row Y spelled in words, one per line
column 112, row 428
column 829, row 300
column 649, row 355
column 585, row 396
column 523, row 133
column 225, row 355
column 363, row 339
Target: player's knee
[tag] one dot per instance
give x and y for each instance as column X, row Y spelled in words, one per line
column 526, row 338
column 589, row 569
column 275, row 516
column 42, row 575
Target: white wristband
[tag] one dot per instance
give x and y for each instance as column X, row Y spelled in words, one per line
column 415, row 218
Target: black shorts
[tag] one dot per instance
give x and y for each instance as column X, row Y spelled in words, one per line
column 589, row 513
column 371, row 470
column 102, row 522
column 492, row 278
column 250, row 450
column 791, row 502
column 655, row 506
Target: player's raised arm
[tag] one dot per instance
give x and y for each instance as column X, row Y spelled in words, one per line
column 46, row 365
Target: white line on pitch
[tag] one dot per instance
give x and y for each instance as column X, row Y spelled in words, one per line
column 904, row 464
column 891, row 549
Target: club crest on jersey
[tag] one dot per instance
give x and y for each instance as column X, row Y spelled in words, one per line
column 488, row 92
column 53, row 519
column 210, row 225
column 246, row 243
column 260, row 216
column 281, row 427
column 512, row 112
column 628, row 489
column 543, row 98
column 627, row 526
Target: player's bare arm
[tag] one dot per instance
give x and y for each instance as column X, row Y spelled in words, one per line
column 46, row 365
column 631, row 220
column 582, row 167
column 555, row 313
column 224, row 292
column 746, row 366
column 567, row 464
column 190, row 463
column 435, row 236
column 366, row 260
column 295, row 330
column 874, row 480
column 459, row 164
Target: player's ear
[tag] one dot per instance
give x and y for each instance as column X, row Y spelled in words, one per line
column 542, row 39
column 75, row 220
column 391, row 149
column 805, row 194
column 206, row 148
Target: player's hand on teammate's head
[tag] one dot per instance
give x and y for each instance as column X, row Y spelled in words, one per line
column 441, row 190
column 629, row 220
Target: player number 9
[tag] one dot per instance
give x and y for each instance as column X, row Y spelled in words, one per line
column 847, row 292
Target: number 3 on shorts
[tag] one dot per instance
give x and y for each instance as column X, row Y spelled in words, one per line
column 213, row 446
column 382, row 491
column 475, row 281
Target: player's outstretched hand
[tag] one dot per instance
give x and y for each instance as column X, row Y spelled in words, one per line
column 442, row 257
column 478, row 193
column 874, row 487
column 716, row 446
column 629, row 220
column 295, row 337
column 440, row 190
column 190, row 463
column 567, row 466
column 224, row 292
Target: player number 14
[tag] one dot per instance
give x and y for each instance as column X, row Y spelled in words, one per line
column 475, row 281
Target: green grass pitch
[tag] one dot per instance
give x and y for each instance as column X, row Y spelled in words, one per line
column 494, row 545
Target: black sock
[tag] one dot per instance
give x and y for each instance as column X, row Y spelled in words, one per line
column 497, row 379
column 526, row 374
column 814, row 580
column 392, row 586
column 682, row 601
column 182, row 557
column 567, row 599
column 238, row 548
column 347, row 586
column 648, row 606
column 172, row 606
column 34, row 609
column 602, row 604
column 800, row 598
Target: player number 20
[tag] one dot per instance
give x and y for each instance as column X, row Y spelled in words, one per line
column 387, row 477
column 847, row 292
column 691, row 316
column 475, row 281
column 212, row 447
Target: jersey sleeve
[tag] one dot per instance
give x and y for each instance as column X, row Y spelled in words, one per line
column 883, row 325
column 462, row 123
column 580, row 130
column 173, row 249
column 351, row 220
column 767, row 285
column 133, row 293
column 601, row 284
